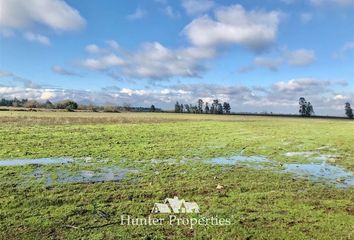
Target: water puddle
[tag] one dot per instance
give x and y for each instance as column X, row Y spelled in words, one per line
column 37, row 161
column 64, row 174
column 299, row 154
column 238, row 159
column 104, row 174
column 316, row 171
column 315, row 156
column 322, row 172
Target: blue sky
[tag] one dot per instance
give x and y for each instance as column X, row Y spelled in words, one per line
column 258, row 55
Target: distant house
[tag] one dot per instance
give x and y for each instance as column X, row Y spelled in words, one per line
column 175, row 205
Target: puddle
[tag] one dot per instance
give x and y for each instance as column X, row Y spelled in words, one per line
column 315, row 156
column 37, row 161
column 299, row 154
column 324, row 171
column 238, row 159
column 319, row 171
column 104, row 174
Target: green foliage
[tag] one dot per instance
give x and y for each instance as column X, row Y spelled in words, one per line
column 152, row 108
column 348, row 110
column 67, row 104
column 306, row 108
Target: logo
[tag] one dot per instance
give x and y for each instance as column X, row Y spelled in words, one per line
column 174, row 212
column 175, row 205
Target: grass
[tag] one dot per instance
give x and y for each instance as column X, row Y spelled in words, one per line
column 261, row 204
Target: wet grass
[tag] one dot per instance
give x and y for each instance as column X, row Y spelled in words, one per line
column 262, row 204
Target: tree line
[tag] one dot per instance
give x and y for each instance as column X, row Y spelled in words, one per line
column 25, row 103
column 306, row 108
column 71, row 105
column 216, row 107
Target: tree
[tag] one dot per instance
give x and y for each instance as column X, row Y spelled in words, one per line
column 212, row 109
column 181, row 108
column 126, row 107
column 16, row 103
column 306, row 108
column 48, row 104
column 227, row 107
column 348, row 110
column 206, row 109
column 177, row 108
column 186, row 106
column 31, row 104
column 214, row 106
column 309, row 109
column 67, row 104
column 152, row 108
column 302, row 105
column 220, row 110
column 200, row 105
column 110, row 108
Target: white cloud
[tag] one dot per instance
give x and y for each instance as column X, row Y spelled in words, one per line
column 268, row 62
column 196, row 7
column 6, row 33
column 340, row 97
column 104, row 62
column 16, row 78
column 341, row 3
column 93, row 48
column 344, row 50
column 170, row 12
column 47, row 94
column 131, row 92
column 35, row 37
column 113, row 44
column 55, row 14
column 154, row 61
column 288, row 1
column 230, row 26
column 255, row 30
column 167, row 9
column 300, row 57
column 137, row 14
column 5, row 74
column 151, row 61
column 280, row 97
column 60, row 70
column 306, row 17
column 301, row 85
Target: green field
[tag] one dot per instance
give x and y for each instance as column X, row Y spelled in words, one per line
column 169, row 153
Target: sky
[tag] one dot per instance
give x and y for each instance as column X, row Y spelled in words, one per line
column 259, row 55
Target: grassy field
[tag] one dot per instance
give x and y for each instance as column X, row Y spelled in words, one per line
column 169, row 151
